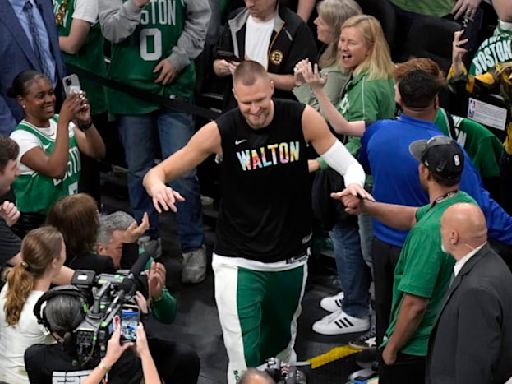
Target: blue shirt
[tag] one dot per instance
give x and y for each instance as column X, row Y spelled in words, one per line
column 17, row 6
column 385, row 151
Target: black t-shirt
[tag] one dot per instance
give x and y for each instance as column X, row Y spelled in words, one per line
column 265, row 210
column 50, row 364
column 10, row 244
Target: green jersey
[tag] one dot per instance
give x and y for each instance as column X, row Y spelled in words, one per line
column 90, row 57
column 482, row 146
column 35, row 192
column 368, row 100
column 135, row 58
column 424, row 270
column 496, row 49
column 437, row 8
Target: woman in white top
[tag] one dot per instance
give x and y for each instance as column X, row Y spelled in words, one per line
column 43, row 253
column 50, row 146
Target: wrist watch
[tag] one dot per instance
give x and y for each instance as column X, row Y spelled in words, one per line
column 85, row 126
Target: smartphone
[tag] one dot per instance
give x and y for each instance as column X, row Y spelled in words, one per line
column 130, row 317
column 465, row 35
column 228, row 56
column 71, row 84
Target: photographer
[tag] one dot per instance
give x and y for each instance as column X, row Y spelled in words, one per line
column 61, row 310
column 117, row 238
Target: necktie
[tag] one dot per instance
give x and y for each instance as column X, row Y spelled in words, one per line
column 37, row 45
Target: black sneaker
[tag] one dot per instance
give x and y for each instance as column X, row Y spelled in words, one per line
column 365, row 341
column 368, row 358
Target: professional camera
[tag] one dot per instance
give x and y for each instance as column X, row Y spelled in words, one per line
column 286, row 373
column 108, row 296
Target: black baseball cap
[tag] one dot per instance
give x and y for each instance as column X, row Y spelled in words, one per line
column 441, row 155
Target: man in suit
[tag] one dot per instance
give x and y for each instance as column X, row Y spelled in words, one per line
column 472, row 338
column 28, row 40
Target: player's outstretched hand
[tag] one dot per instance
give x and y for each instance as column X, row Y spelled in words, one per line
column 355, row 189
column 164, row 197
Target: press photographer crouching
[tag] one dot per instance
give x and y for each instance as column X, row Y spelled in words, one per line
column 61, row 310
column 117, row 238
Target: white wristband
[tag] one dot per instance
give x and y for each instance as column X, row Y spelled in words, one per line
column 340, row 159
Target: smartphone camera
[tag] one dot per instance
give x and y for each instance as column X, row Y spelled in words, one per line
column 71, row 84
column 130, row 317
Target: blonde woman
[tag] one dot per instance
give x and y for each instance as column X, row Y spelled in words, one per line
column 43, row 253
column 368, row 96
column 331, row 16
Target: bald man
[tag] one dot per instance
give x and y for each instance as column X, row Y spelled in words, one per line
column 471, row 342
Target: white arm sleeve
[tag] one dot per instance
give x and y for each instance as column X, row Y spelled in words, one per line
column 340, row 159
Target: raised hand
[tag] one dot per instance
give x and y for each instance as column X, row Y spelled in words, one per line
column 458, row 52
column 135, row 231
column 156, row 280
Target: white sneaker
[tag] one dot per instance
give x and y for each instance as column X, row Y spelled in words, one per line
column 333, row 303
column 339, row 323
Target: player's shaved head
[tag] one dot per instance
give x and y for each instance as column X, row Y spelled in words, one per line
column 248, row 72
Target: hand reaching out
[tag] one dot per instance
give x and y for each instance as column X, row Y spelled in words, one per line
column 134, row 231
column 465, row 7
column 164, row 197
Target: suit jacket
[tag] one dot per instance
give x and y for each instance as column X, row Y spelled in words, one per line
column 471, row 341
column 17, row 55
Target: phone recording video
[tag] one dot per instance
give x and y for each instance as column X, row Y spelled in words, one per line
column 71, row 84
column 130, row 317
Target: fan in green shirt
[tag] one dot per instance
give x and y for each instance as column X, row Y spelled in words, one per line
column 423, row 272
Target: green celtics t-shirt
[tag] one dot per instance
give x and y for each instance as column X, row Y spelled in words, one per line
column 35, row 192
column 437, row 8
column 482, row 146
column 135, row 58
column 90, row 57
column 424, row 270
column 495, row 49
column 368, row 100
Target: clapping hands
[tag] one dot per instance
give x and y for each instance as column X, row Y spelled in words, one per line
column 306, row 72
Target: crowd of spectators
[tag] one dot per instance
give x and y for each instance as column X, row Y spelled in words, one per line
column 431, row 131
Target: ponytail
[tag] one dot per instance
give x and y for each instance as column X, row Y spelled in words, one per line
column 38, row 250
column 22, row 283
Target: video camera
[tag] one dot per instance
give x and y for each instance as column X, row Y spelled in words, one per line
column 287, row 373
column 107, row 295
